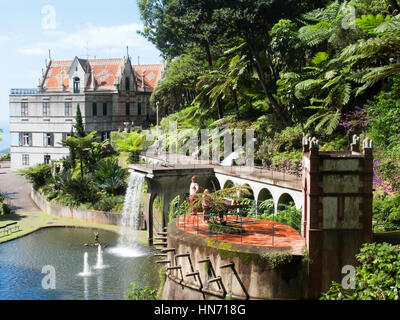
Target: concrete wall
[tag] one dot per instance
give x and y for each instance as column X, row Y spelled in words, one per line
column 75, row 213
column 251, row 277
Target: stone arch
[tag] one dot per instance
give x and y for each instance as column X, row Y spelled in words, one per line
column 265, row 194
column 178, row 204
column 252, row 194
column 213, row 184
column 228, row 184
column 284, row 199
column 157, row 214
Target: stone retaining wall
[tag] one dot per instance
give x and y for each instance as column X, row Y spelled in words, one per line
column 250, row 276
column 75, row 213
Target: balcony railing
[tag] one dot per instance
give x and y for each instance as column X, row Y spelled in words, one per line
column 23, row 91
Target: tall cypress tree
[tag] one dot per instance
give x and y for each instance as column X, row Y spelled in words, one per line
column 80, row 131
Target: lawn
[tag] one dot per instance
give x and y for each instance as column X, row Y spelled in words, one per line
column 33, row 221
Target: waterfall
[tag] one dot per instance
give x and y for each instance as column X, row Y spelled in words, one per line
column 127, row 245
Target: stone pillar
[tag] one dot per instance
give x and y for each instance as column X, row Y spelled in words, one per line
column 149, row 218
column 337, row 211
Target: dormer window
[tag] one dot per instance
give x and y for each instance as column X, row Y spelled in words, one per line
column 77, row 88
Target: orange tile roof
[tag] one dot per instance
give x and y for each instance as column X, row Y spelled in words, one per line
column 152, row 74
column 105, row 73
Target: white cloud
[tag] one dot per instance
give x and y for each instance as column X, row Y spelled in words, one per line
column 4, row 39
column 100, row 41
column 33, row 51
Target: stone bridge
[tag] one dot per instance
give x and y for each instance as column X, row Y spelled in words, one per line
column 334, row 192
column 171, row 177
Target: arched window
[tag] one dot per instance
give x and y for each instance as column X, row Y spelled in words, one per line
column 127, row 84
column 77, row 88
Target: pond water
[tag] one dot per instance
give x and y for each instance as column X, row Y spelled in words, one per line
column 22, row 260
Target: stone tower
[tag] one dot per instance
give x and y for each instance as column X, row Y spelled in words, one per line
column 337, row 209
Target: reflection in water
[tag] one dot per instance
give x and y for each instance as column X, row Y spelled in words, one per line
column 22, row 260
column 85, row 287
column 100, row 280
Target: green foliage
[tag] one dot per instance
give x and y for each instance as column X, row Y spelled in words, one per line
column 82, row 145
column 382, row 109
column 177, row 89
column 369, row 23
column 288, row 215
column 80, row 130
column 386, row 213
column 37, row 175
column 82, row 190
column 178, row 206
column 277, row 259
column 215, row 227
column 338, row 143
column 283, row 149
column 4, row 208
column 5, row 157
column 163, row 279
column 110, row 176
column 109, row 204
column 132, row 143
column 218, row 198
column 377, row 276
column 99, row 183
column 140, row 293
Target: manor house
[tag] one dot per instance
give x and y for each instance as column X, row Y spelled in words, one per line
column 109, row 92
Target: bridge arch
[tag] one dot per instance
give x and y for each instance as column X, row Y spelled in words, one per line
column 285, row 199
column 250, row 196
column 264, row 194
column 228, row 184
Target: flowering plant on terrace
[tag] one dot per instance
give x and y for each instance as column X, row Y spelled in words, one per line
column 355, row 122
column 387, row 169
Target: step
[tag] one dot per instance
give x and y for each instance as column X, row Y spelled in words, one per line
column 214, row 279
column 161, row 238
column 168, row 250
column 160, row 244
column 174, row 268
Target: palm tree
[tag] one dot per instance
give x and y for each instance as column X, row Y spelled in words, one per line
column 223, row 82
column 81, row 144
column 110, row 176
column 131, row 144
column 328, row 82
column 383, row 48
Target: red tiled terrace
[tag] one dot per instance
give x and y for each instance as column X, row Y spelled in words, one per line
column 257, row 232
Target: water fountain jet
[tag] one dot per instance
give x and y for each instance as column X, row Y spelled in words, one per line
column 100, row 264
column 86, row 268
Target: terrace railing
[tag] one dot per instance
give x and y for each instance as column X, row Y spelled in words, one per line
column 23, row 91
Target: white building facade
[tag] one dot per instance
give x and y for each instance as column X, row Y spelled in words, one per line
column 109, row 93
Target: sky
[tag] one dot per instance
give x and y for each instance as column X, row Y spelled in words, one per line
column 86, row 28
